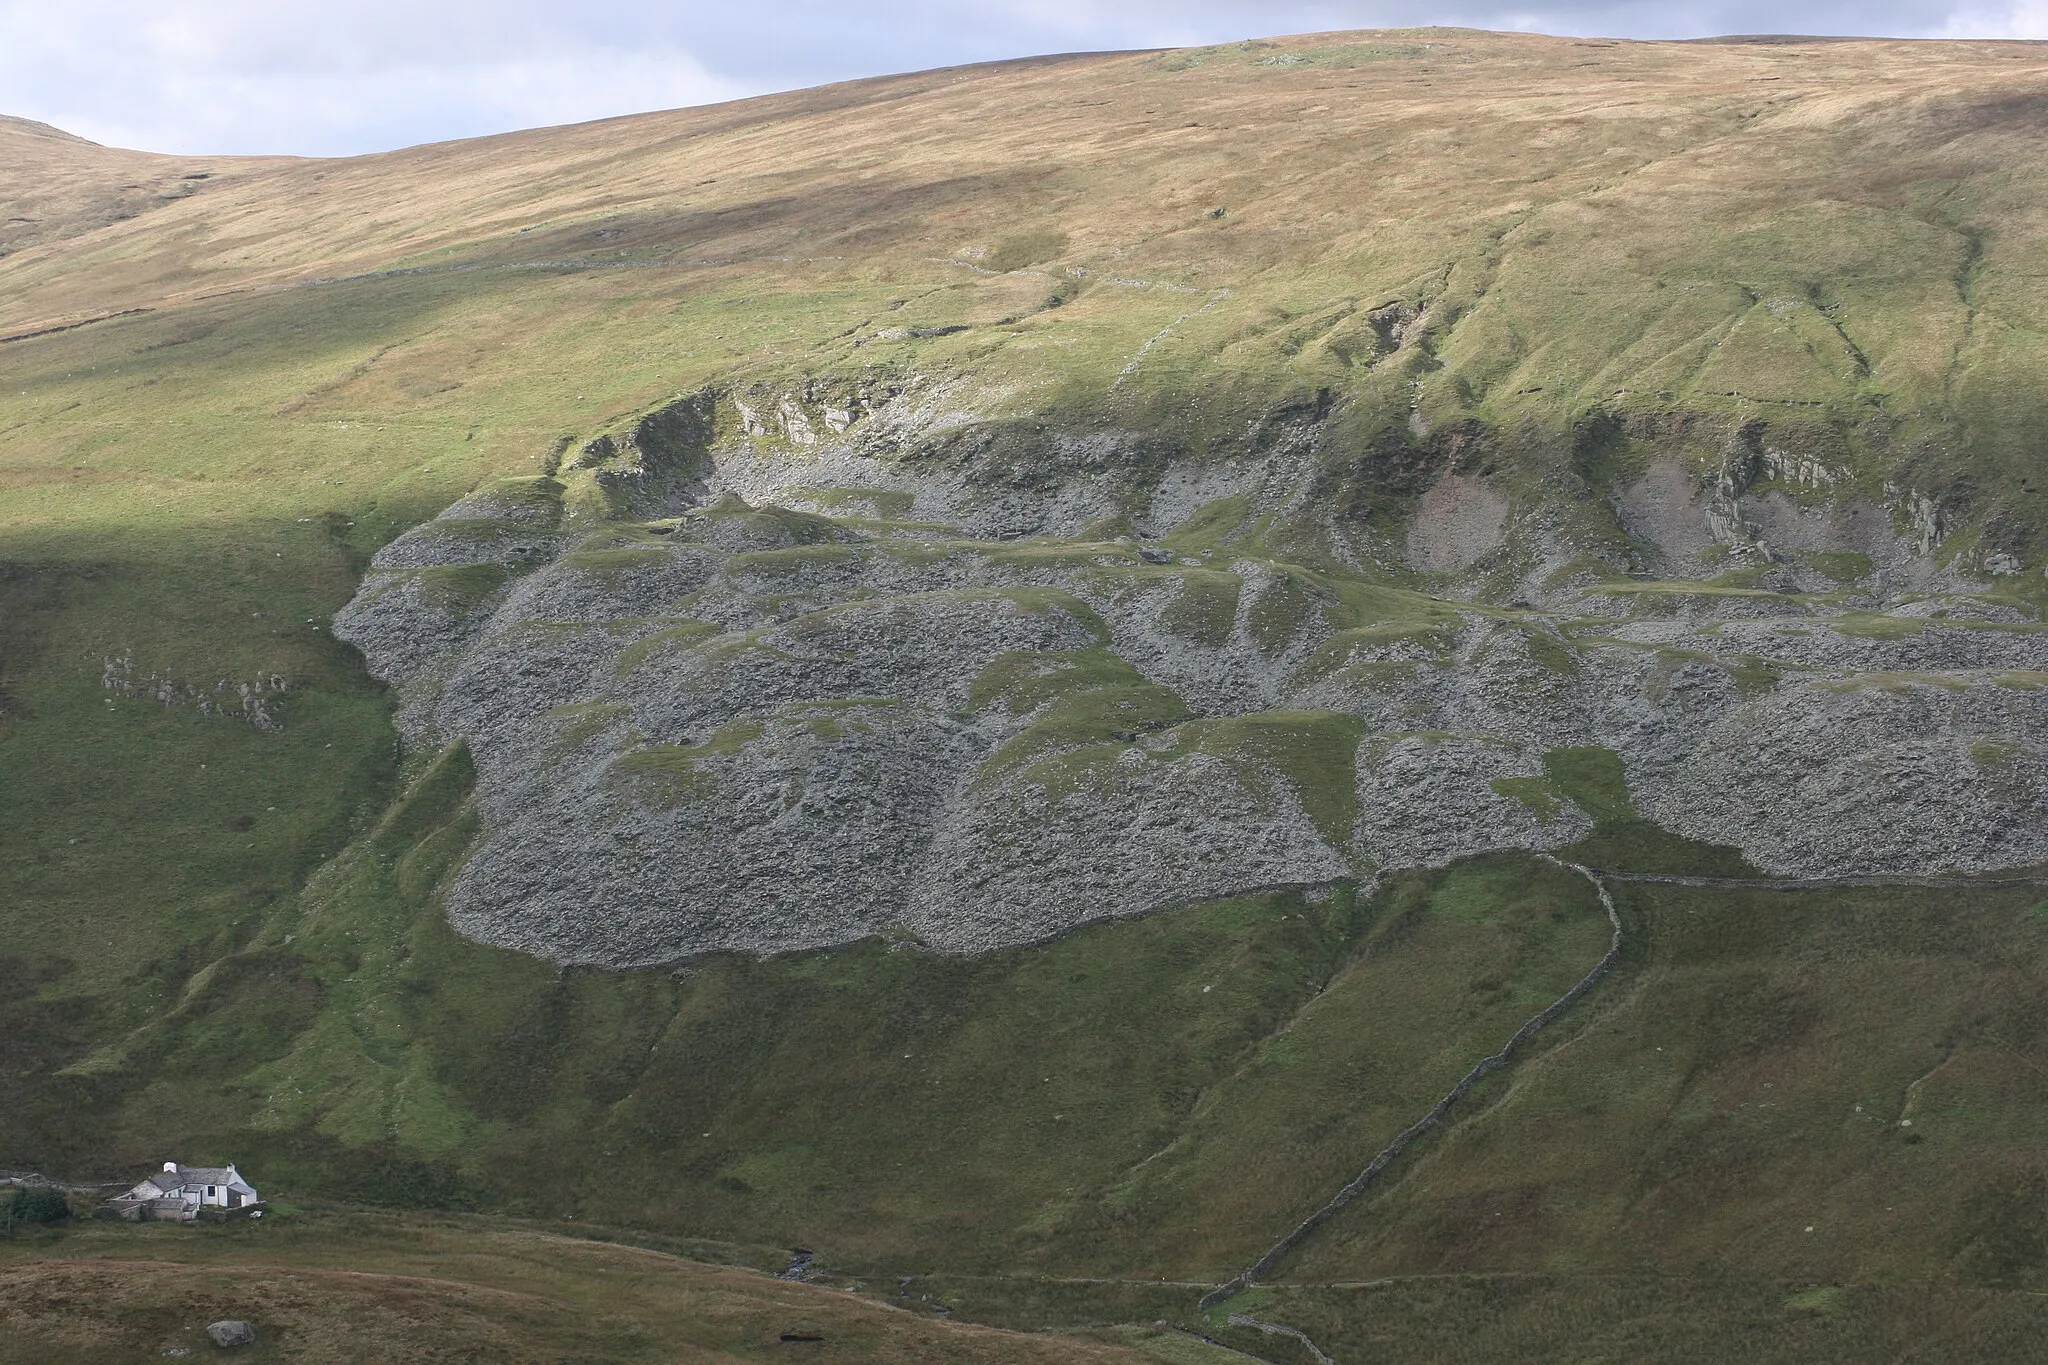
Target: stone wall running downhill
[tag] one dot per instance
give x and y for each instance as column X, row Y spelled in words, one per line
column 730, row 690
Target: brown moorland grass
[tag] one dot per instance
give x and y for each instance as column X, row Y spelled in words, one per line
column 1785, row 224
column 406, row 1288
column 58, row 186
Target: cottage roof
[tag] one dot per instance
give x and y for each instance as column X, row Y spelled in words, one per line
column 179, row 1178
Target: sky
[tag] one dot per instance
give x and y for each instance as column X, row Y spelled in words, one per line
column 322, row 79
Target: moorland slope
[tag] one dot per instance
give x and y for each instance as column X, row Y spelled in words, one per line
column 1110, row 571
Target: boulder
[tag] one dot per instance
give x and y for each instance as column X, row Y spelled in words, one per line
column 231, row 1332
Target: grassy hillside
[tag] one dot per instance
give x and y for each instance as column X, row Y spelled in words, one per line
column 1544, row 259
column 1832, row 240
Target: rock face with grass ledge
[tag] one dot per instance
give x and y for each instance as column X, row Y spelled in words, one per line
column 727, row 690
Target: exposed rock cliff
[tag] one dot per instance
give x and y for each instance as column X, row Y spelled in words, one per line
column 766, row 673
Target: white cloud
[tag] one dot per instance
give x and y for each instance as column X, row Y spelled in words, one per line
column 263, row 75
column 337, row 112
column 2023, row 19
column 259, row 78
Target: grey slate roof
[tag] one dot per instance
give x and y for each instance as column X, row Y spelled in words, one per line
column 193, row 1178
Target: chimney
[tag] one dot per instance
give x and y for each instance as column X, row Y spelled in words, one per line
column 171, row 1166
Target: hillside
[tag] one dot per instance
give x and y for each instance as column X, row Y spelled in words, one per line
column 58, row 186
column 1006, row 673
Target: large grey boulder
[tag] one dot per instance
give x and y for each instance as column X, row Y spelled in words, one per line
column 231, row 1332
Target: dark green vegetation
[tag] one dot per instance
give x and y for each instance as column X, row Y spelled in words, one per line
column 1622, row 840
column 1146, row 1099
column 1465, row 1319
column 903, row 1110
column 34, row 1205
column 219, row 941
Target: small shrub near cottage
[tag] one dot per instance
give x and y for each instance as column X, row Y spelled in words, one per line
column 35, row 1205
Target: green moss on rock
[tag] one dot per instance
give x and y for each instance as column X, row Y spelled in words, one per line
column 460, row 588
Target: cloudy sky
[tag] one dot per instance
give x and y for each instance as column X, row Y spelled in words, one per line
column 327, row 78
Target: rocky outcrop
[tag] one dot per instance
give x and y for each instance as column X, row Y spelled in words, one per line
column 731, row 690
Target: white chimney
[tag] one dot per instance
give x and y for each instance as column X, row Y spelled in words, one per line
column 171, row 1166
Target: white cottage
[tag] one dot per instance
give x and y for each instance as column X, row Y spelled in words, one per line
column 177, row 1194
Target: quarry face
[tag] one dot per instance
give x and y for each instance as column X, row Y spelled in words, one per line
column 763, row 683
